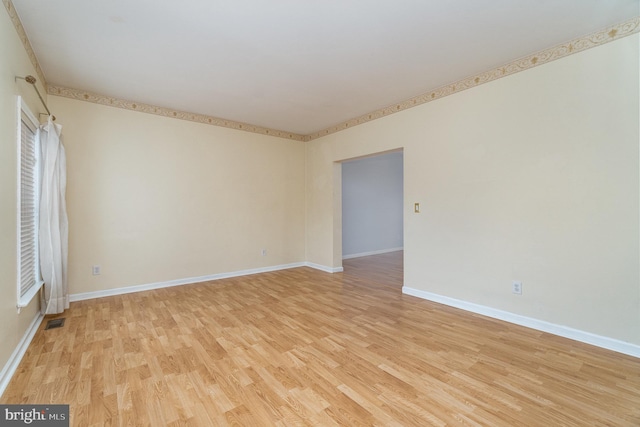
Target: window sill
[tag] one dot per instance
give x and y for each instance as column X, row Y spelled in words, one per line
column 25, row 299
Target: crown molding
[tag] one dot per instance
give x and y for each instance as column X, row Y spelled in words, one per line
column 624, row 29
column 17, row 24
column 167, row 112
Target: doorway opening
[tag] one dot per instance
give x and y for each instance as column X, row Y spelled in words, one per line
column 372, row 227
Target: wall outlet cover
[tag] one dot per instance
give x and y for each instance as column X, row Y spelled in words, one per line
column 516, row 287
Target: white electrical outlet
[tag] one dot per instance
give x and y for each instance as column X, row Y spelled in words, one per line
column 95, row 270
column 516, row 287
column 264, row 252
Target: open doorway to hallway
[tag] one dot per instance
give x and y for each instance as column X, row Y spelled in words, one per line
column 372, row 215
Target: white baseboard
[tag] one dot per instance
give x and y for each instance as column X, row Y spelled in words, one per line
column 14, row 360
column 177, row 282
column 189, row 280
column 324, row 268
column 381, row 251
column 540, row 325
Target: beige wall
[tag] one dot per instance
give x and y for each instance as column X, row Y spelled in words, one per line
column 14, row 62
column 153, row 199
column 533, row 177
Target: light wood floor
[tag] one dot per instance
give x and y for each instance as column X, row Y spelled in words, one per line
column 303, row 347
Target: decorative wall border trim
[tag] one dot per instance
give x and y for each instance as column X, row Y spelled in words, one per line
column 17, row 24
column 529, row 322
column 615, row 32
column 624, row 29
column 167, row 112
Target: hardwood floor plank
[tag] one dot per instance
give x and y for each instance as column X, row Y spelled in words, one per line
column 301, row 347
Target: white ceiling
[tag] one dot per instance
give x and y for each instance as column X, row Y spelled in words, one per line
column 293, row 65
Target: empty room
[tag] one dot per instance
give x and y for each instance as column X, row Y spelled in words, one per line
column 287, row 213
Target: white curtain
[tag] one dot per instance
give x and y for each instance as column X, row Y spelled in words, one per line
column 53, row 220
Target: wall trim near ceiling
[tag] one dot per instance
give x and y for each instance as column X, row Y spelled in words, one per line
column 167, row 112
column 624, row 29
column 528, row 322
column 15, row 19
column 615, row 32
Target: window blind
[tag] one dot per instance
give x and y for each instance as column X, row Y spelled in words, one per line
column 29, row 271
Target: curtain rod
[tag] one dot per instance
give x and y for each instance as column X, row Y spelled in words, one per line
column 32, row 81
